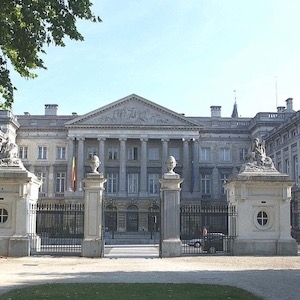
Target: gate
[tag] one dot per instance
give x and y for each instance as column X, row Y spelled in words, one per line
column 131, row 225
column 207, row 229
column 59, row 229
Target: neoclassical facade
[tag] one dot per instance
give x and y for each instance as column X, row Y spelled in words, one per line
column 133, row 138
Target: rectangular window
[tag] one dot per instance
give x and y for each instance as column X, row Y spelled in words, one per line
column 42, row 152
column 287, row 166
column 223, row 179
column 279, row 166
column 225, row 154
column 60, row 152
column 133, row 153
column 295, row 168
column 91, row 150
column 205, row 184
column 111, row 184
column 23, row 152
column 133, row 183
column 60, row 182
column 175, row 152
column 243, row 153
column 112, row 153
column 153, row 154
column 205, row 154
column 153, row 183
column 42, row 176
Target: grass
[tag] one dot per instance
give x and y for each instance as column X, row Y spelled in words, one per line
column 123, row 291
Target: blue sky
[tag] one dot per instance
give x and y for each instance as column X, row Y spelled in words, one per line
column 185, row 55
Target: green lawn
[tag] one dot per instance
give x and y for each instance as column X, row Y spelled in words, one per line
column 123, row 291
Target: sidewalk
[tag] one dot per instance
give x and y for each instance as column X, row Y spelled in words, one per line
column 268, row 277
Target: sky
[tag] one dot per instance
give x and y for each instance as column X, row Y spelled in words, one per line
column 185, row 55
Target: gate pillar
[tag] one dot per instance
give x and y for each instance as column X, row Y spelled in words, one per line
column 93, row 242
column 171, row 245
column 261, row 197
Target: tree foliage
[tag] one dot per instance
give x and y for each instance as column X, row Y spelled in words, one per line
column 27, row 27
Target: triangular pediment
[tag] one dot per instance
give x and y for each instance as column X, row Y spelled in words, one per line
column 132, row 111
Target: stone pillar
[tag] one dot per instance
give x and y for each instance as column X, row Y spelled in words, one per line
column 122, row 172
column 143, row 189
column 70, row 163
column 164, row 153
column 18, row 231
column 186, row 165
column 80, row 164
column 195, row 166
column 171, row 245
column 93, row 242
column 261, row 198
column 102, row 153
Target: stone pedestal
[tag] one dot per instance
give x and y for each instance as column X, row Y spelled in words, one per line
column 93, row 243
column 261, row 199
column 18, row 197
column 171, row 245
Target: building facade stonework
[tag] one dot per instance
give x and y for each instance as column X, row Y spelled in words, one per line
column 133, row 138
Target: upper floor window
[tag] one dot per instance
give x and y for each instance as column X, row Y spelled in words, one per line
column 205, row 154
column 112, row 153
column 153, row 154
column 205, row 184
column 60, row 152
column 293, row 132
column 60, row 182
column 42, row 152
column 133, row 153
column 111, row 184
column 23, row 152
column 175, row 152
column 133, row 183
column 91, row 150
column 153, row 183
column 42, row 176
column 225, row 154
column 287, row 166
column 223, row 180
column 243, row 153
column 3, row 215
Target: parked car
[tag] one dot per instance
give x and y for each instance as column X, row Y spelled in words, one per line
column 211, row 243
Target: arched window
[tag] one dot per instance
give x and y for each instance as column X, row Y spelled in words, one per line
column 132, row 218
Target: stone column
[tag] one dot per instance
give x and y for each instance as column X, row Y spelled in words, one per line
column 80, row 164
column 164, row 153
column 101, row 153
column 122, row 172
column 171, row 245
column 186, row 165
column 93, row 243
column 195, row 166
column 143, row 190
column 70, row 162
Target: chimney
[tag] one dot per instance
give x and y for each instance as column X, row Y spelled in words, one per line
column 289, row 105
column 51, row 109
column 215, row 111
column 280, row 109
column 26, row 113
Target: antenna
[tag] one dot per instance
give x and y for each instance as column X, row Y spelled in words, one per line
column 234, row 96
column 276, row 94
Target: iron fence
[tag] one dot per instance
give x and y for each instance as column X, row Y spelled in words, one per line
column 207, row 229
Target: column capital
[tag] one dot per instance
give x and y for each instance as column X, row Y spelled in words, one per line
column 100, row 138
column 122, row 139
column 143, row 139
column 165, row 140
column 71, row 138
column 186, row 140
column 80, row 138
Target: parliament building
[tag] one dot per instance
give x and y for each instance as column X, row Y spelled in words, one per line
column 133, row 138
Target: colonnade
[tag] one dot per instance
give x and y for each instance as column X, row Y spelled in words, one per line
column 188, row 162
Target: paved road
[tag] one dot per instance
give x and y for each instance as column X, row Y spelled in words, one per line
column 268, row 277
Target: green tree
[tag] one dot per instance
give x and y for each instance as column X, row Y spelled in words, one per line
column 27, row 27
